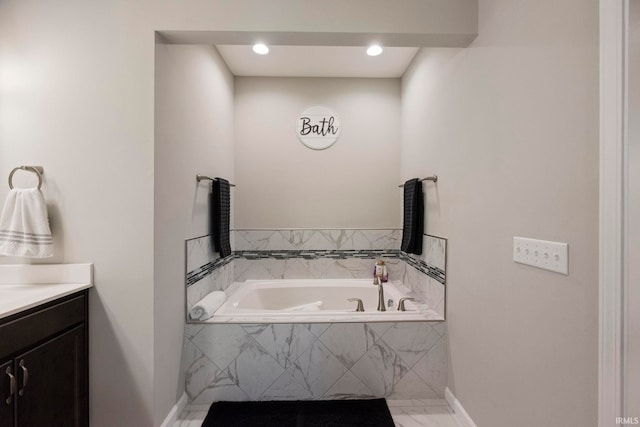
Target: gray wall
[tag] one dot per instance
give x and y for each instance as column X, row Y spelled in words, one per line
column 193, row 134
column 510, row 125
column 633, row 214
column 77, row 97
column 284, row 184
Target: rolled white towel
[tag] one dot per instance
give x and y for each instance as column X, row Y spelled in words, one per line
column 204, row 309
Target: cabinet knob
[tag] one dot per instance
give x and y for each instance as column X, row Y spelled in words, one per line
column 25, row 377
column 12, row 386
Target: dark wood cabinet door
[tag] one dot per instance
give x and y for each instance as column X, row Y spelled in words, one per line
column 52, row 383
column 7, row 398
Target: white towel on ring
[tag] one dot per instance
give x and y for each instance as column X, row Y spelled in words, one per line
column 204, row 309
column 24, row 225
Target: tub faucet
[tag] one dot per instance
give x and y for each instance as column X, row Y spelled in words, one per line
column 381, row 306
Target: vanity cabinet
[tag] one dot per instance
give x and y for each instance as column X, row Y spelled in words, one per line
column 6, row 405
column 44, row 365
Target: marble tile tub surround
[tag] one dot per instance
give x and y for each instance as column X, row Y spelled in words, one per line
column 310, row 244
column 435, row 252
column 317, row 239
column 425, row 274
column 425, row 289
column 287, row 253
column 201, row 260
column 405, row 360
column 205, row 271
column 198, row 253
column 356, row 264
column 305, row 253
column 217, row 280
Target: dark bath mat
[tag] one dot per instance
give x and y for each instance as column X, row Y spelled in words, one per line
column 300, row 413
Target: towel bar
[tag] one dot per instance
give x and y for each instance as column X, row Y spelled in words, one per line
column 433, row 178
column 205, row 177
column 38, row 170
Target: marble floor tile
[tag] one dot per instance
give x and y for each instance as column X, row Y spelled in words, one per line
column 427, row 416
column 191, row 419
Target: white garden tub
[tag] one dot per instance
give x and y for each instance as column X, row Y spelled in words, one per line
column 315, row 301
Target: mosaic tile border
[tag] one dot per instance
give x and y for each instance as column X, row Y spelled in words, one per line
column 433, row 272
column 317, row 254
column 203, row 271
column 420, row 265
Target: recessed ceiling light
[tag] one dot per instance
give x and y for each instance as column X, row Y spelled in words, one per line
column 260, row 48
column 374, row 50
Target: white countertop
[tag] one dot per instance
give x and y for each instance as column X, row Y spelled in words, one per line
column 26, row 286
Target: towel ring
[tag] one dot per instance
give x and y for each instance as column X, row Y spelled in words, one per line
column 38, row 170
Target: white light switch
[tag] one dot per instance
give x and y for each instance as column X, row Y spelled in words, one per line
column 552, row 256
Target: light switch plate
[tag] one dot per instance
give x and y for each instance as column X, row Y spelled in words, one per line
column 543, row 254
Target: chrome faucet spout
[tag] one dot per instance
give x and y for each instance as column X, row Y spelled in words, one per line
column 381, row 306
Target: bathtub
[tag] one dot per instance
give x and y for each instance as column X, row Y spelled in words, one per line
column 315, row 301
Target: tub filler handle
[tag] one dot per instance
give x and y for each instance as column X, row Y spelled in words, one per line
column 401, row 303
column 359, row 307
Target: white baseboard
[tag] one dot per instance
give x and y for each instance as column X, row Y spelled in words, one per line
column 458, row 409
column 175, row 412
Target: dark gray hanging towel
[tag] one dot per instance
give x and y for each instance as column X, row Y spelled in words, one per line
column 413, row 217
column 221, row 211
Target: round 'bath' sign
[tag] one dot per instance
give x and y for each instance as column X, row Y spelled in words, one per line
column 318, row 127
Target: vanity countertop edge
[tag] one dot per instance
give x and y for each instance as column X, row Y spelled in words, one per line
column 23, row 287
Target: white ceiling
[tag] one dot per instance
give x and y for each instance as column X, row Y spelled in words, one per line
column 317, row 61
